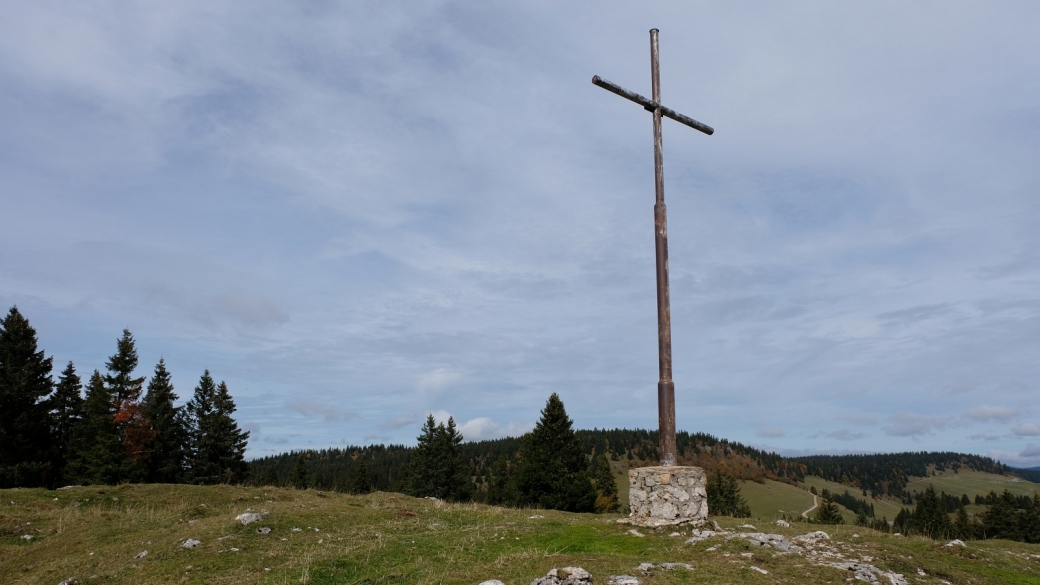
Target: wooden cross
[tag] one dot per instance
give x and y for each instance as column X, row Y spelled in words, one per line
column 665, row 386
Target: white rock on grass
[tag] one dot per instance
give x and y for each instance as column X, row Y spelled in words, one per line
column 763, row 571
column 565, row 576
column 141, row 554
column 70, row 580
column 784, row 523
column 492, row 582
column 623, row 580
column 635, row 532
column 263, row 530
column 27, row 537
column 191, row 543
column 248, row 518
column 955, row 542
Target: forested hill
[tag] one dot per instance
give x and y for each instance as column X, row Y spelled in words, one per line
column 888, row 473
column 388, row 465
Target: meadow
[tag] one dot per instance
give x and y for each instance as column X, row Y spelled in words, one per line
column 100, row 535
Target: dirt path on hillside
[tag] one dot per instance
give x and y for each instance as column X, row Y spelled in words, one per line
column 815, row 502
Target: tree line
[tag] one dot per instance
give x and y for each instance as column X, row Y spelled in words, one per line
column 51, row 434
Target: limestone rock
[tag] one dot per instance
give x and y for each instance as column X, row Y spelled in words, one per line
column 783, row 523
column 492, row 582
column 565, row 576
column 955, row 542
column 774, row 540
column 263, row 530
column 248, row 518
column 623, row 580
column 141, row 554
column 191, row 543
column 666, row 496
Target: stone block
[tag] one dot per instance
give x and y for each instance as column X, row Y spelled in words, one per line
column 667, row 496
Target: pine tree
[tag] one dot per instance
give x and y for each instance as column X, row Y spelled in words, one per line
column 552, row 470
column 298, row 476
column 168, row 458
column 425, row 469
column 1002, row 519
column 26, row 445
column 359, row 480
column 135, row 432
column 66, row 408
column 828, row 513
column 97, row 456
column 724, row 497
column 269, row 476
column 963, row 526
column 606, row 487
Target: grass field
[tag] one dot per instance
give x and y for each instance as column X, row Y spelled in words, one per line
column 98, row 534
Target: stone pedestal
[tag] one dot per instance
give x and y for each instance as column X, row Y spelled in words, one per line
column 667, row 496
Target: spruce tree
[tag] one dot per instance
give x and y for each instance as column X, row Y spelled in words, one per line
column 724, row 497
column 828, row 513
column 359, row 480
column 167, row 460
column 135, row 432
column 217, row 445
column 552, row 471
column 501, row 490
column 97, row 456
column 26, row 444
column 231, row 441
column 930, row 517
column 66, row 408
column 298, row 476
column 437, row 469
column 199, row 411
column 606, row 487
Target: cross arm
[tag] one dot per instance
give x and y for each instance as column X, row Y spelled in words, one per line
column 650, row 105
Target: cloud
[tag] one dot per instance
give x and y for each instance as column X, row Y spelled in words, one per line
column 398, row 422
column 845, row 435
column 1030, row 451
column 771, row 433
column 323, row 410
column 1027, row 430
column 908, row 424
column 438, row 379
column 991, row 413
column 862, row 419
column 984, row 437
column 482, row 428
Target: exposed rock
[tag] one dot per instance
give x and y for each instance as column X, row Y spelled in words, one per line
column 665, row 496
column 783, row 523
column 869, row 573
column 623, row 580
column 699, row 535
column 191, row 543
column 645, row 568
column 635, row 532
column 536, row 516
column 248, row 518
column 955, row 542
column 565, row 576
column 674, row 566
column 263, row 530
column 774, row 540
column 763, row 571
column 492, row 582
column 752, row 527
column 27, row 537
column 70, row 580
column 141, row 554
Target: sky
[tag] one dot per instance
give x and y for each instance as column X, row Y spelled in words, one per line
column 360, row 213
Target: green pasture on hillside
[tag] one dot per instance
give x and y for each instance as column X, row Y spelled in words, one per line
column 98, row 535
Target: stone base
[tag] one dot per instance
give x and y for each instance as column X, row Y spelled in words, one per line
column 667, row 496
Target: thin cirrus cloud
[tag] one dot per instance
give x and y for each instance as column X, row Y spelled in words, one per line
column 991, row 413
column 323, row 410
column 908, row 424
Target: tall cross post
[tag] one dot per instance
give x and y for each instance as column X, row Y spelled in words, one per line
column 665, row 386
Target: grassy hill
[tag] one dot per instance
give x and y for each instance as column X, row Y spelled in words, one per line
column 97, row 534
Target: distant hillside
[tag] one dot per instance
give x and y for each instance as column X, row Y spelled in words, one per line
column 881, row 474
column 1029, row 474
